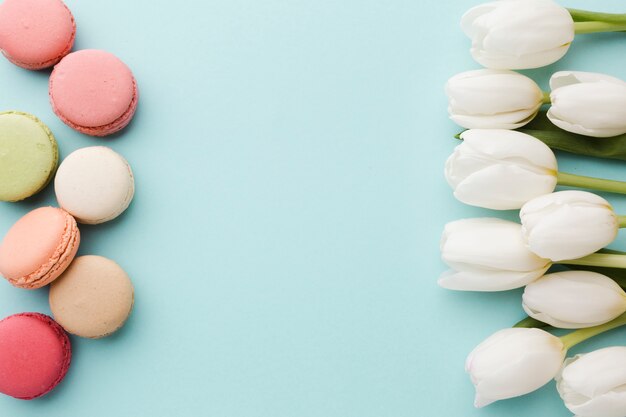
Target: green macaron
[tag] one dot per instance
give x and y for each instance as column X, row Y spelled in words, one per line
column 28, row 155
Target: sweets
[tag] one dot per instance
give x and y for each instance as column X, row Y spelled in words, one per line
column 39, row 247
column 93, row 92
column 93, row 298
column 35, row 354
column 36, row 34
column 94, row 184
column 28, row 155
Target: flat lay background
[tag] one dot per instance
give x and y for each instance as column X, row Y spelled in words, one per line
column 283, row 240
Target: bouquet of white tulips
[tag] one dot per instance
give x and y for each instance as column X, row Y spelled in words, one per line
column 505, row 162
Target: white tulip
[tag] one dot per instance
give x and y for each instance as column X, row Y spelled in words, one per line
column 492, row 99
column 588, row 103
column 592, row 385
column 513, row 362
column 500, row 169
column 518, row 34
column 487, row 254
column 574, row 299
column 568, row 224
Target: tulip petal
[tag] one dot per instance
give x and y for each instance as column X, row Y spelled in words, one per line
column 513, row 146
column 485, row 280
column 564, row 78
column 487, row 244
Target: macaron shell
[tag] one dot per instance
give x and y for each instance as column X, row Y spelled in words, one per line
column 35, row 355
column 93, row 89
column 93, row 298
column 36, row 34
column 28, row 155
column 38, row 247
column 94, row 184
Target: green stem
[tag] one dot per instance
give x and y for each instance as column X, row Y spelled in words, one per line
column 581, row 28
column 598, row 184
column 622, row 221
column 530, row 322
column 586, row 16
column 546, row 98
column 607, row 260
column 574, row 338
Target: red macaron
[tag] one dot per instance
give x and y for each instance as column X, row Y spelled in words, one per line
column 35, row 354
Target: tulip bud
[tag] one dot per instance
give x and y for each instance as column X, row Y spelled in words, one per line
column 513, row 362
column 500, row 169
column 592, row 385
column 568, row 224
column 574, row 299
column 518, row 34
column 487, row 255
column 492, row 99
column 588, row 103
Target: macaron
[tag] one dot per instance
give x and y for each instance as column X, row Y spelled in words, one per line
column 94, row 184
column 93, row 298
column 36, row 34
column 28, row 155
column 39, row 247
column 35, row 354
column 94, row 92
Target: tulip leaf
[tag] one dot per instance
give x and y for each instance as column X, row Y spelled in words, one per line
column 556, row 138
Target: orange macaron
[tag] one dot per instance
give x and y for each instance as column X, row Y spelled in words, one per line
column 39, row 247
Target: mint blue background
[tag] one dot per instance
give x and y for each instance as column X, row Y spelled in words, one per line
column 283, row 240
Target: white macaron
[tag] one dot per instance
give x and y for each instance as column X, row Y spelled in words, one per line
column 94, row 184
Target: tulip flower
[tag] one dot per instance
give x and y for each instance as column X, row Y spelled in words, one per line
column 503, row 169
column 516, row 361
column 574, row 299
column 592, row 384
column 519, row 34
column 487, row 255
column 513, row 362
column 568, row 224
column 492, row 99
column 588, row 103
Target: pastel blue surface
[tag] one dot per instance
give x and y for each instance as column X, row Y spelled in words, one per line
column 283, row 240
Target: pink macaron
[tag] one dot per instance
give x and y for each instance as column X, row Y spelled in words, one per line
column 35, row 354
column 94, row 92
column 39, row 247
column 36, row 34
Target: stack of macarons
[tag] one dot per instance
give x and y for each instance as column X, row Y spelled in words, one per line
column 95, row 93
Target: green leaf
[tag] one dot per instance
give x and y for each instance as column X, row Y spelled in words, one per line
column 556, row 138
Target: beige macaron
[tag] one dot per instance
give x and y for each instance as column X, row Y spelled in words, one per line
column 92, row 298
